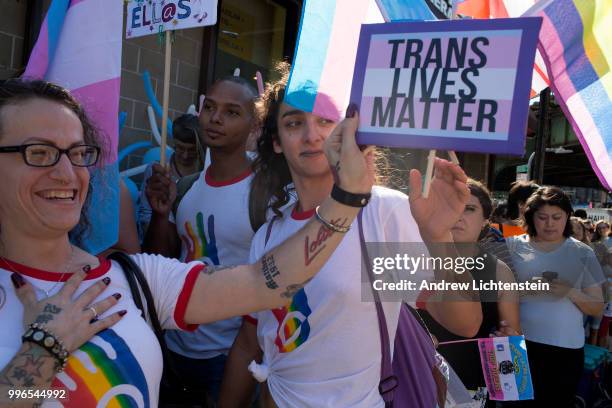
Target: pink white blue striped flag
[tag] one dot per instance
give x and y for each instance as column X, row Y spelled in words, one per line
column 79, row 48
column 322, row 71
column 576, row 43
column 320, row 80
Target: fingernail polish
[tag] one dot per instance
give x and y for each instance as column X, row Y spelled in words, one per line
column 106, row 280
column 18, row 280
column 87, row 268
column 351, row 110
column 117, row 296
column 122, row 313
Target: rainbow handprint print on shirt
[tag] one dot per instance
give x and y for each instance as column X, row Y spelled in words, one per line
column 198, row 247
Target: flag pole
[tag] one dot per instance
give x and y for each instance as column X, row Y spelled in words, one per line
column 164, row 135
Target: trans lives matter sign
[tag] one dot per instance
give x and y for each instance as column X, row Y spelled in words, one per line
column 452, row 85
column 146, row 17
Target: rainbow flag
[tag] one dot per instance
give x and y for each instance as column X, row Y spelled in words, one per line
column 79, row 48
column 320, row 80
column 576, row 43
column 485, row 9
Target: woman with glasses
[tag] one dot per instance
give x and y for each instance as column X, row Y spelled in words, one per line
column 70, row 328
column 602, row 234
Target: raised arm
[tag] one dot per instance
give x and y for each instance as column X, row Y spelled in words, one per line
column 436, row 215
column 280, row 273
column 161, row 236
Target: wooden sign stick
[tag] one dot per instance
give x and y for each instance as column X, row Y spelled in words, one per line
column 164, row 135
column 429, row 172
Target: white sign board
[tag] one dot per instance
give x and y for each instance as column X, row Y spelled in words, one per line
column 145, row 17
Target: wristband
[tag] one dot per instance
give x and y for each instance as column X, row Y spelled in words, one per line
column 350, row 199
column 38, row 334
column 330, row 225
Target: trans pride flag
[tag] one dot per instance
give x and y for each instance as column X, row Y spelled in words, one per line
column 320, row 80
column 576, row 43
column 485, row 9
column 322, row 72
column 79, row 48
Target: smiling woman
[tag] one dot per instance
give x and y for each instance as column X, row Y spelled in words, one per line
column 57, row 305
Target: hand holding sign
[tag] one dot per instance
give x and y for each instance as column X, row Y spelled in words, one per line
column 437, row 213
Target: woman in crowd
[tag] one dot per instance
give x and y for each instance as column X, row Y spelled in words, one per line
column 580, row 230
column 323, row 348
column 500, row 309
column 601, row 239
column 552, row 320
column 59, row 330
column 517, row 196
column 602, row 231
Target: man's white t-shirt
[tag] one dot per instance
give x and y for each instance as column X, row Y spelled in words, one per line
column 323, row 350
column 122, row 365
column 213, row 223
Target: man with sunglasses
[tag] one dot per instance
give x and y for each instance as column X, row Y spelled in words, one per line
column 188, row 158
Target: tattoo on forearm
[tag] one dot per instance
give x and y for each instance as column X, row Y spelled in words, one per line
column 48, row 313
column 210, row 269
column 291, row 290
column 33, row 366
column 270, row 271
column 314, row 248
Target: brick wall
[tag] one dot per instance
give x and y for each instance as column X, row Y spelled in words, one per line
column 147, row 54
column 12, row 30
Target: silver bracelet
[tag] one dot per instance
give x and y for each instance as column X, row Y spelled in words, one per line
column 331, row 226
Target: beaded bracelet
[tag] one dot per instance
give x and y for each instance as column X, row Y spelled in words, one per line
column 331, row 226
column 38, row 334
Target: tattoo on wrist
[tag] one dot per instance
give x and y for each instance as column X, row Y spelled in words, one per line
column 270, row 271
column 28, row 367
column 314, row 248
column 291, row 290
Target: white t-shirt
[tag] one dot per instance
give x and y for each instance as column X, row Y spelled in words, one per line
column 324, row 349
column 122, row 364
column 546, row 319
column 213, row 223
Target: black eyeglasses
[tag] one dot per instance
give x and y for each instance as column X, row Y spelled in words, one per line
column 45, row 155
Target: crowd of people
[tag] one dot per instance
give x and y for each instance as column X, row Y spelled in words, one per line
column 254, row 264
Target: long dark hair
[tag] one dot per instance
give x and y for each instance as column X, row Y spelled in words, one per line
column 270, row 185
column 17, row 91
column 517, row 196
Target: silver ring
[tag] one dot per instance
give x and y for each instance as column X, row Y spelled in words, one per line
column 93, row 309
